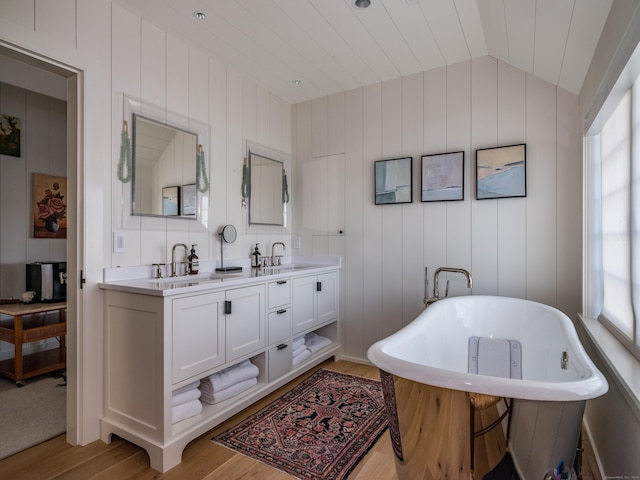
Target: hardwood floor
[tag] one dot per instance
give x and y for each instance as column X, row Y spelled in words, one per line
column 202, row 459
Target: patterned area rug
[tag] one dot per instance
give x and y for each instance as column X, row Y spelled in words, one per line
column 318, row 431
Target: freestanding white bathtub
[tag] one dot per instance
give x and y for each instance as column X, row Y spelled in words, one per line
column 518, row 338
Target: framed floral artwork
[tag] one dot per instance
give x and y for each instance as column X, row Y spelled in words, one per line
column 49, row 206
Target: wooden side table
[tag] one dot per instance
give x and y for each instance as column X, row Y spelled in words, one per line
column 20, row 332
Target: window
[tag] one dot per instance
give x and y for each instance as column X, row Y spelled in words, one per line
column 614, row 209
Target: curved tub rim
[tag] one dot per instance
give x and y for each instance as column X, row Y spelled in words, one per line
column 591, row 386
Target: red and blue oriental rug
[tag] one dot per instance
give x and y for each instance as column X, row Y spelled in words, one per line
column 317, row 431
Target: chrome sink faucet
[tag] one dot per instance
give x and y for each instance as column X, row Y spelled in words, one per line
column 173, row 257
column 274, row 256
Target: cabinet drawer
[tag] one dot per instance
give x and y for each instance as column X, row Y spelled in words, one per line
column 279, row 293
column 279, row 325
column 280, row 361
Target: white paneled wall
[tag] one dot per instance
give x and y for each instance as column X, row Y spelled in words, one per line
column 523, row 247
column 163, row 70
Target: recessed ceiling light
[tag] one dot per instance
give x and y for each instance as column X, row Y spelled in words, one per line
column 297, row 82
column 200, row 15
column 362, row 3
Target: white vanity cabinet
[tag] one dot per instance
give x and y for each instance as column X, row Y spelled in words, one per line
column 198, row 335
column 315, row 301
column 245, row 321
column 161, row 336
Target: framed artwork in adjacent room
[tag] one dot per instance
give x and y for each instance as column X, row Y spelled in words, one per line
column 49, row 206
column 9, row 135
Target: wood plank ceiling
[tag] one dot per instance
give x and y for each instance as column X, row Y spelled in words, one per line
column 332, row 46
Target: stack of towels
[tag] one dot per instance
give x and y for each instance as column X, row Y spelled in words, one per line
column 229, row 382
column 300, row 351
column 307, row 345
column 185, row 402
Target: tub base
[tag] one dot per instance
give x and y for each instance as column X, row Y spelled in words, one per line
column 430, row 431
column 542, row 434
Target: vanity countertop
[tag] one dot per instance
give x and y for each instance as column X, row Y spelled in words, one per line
column 131, row 279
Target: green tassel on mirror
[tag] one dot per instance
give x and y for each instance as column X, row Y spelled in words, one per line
column 202, row 181
column 125, row 171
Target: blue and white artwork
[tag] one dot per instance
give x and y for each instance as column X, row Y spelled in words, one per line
column 393, row 181
column 501, row 172
column 443, row 177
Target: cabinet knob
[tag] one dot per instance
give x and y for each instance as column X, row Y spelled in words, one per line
column 282, row 346
column 318, row 286
column 280, row 312
column 227, row 307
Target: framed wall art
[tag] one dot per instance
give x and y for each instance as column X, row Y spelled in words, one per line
column 394, row 181
column 49, row 206
column 9, row 135
column 442, row 177
column 171, row 201
column 501, row 172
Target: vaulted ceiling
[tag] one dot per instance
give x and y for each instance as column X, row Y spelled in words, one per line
column 303, row 49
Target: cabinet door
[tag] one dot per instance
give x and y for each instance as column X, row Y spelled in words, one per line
column 198, row 333
column 327, row 297
column 245, row 321
column 304, row 303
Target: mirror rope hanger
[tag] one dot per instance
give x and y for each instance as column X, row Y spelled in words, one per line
column 202, row 181
column 245, row 176
column 285, row 187
column 125, row 155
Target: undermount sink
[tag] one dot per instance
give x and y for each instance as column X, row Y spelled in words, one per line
column 185, row 280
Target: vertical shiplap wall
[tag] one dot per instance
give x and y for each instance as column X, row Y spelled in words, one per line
column 149, row 64
column 523, row 247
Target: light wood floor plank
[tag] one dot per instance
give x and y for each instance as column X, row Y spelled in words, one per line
column 202, row 459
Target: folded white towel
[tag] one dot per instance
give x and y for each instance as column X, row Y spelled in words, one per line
column 298, row 342
column 229, row 392
column 315, row 342
column 186, row 410
column 185, row 397
column 186, row 388
column 298, row 359
column 297, row 351
column 230, row 376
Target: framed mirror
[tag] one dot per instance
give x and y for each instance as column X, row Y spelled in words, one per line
column 267, row 186
column 170, row 167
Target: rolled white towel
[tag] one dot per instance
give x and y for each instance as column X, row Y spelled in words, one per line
column 188, row 387
column 185, row 397
column 298, row 342
column 230, row 392
column 186, row 410
column 233, row 375
column 315, row 342
column 298, row 359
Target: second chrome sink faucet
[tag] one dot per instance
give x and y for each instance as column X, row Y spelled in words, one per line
column 274, row 256
column 173, row 257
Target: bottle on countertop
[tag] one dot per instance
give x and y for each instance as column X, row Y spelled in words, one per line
column 193, row 264
column 255, row 257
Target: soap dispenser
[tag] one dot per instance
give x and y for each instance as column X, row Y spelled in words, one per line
column 193, row 264
column 255, row 257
